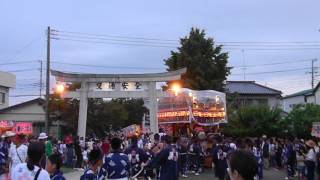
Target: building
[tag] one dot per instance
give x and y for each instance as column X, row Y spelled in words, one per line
column 32, row 111
column 7, row 81
column 245, row 93
column 29, row 111
column 302, row 97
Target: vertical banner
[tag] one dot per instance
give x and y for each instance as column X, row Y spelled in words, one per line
column 315, row 131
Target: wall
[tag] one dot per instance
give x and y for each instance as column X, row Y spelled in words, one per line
column 7, row 79
column 271, row 101
column 311, row 99
column 4, row 90
column 274, row 101
column 28, row 113
column 289, row 103
column 317, row 96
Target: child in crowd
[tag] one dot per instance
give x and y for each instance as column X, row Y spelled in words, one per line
column 95, row 162
column 54, row 164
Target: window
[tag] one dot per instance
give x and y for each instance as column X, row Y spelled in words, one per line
column 262, row 101
column 2, row 98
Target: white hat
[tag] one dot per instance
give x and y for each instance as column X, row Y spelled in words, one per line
column 264, row 136
column 8, row 134
column 233, row 146
column 43, row 136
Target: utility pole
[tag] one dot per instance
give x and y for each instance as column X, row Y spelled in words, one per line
column 313, row 72
column 47, row 82
column 40, row 90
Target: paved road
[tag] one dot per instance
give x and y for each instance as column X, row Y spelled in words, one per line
column 207, row 175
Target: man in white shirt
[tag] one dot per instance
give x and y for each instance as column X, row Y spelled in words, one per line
column 18, row 151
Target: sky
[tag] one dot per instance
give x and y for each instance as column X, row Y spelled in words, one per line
column 283, row 34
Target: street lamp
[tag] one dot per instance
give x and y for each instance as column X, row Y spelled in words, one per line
column 60, row 88
column 176, row 88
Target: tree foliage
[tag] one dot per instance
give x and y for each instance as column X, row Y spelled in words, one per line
column 102, row 114
column 254, row 121
column 205, row 62
column 299, row 121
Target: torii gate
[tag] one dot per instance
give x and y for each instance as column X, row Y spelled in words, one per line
column 116, row 86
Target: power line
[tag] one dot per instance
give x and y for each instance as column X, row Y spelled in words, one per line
column 25, row 47
column 272, row 45
column 270, row 49
column 112, row 43
column 271, row 64
column 132, row 41
column 268, row 72
column 162, row 46
column 269, row 42
column 108, row 67
column 172, row 40
column 23, row 70
column 113, row 36
column 111, row 39
column 18, row 62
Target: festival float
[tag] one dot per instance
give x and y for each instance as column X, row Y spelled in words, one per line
column 187, row 111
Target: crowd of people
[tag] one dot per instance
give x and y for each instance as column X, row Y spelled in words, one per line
column 23, row 157
column 155, row 156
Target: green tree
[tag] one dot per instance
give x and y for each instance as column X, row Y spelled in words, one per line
column 254, row 121
column 299, row 121
column 205, row 62
column 102, row 114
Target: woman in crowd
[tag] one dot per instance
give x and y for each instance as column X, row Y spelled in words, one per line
column 31, row 169
column 310, row 159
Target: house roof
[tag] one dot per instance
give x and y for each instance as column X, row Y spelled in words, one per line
column 301, row 93
column 38, row 100
column 250, row 87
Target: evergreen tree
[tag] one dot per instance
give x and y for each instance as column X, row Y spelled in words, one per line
column 205, row 62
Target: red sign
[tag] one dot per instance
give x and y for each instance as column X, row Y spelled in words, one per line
column 6, row 124
column 23, row 128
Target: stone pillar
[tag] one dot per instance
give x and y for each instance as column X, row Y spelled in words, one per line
column 83, row 109
column 153, row 107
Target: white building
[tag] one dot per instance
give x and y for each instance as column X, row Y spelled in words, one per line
column 32, row 111
column 7, row 81
column 302, row 97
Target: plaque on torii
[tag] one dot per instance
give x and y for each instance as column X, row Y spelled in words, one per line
column 116, row 86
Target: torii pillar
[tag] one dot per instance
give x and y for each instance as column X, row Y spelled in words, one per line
column 120, row 86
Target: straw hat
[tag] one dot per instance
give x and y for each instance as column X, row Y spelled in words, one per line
column 42, row 136
column 8, row 134
column 310, row 143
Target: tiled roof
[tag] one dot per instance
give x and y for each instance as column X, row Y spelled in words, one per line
column 39, row 100
column 300, row 93
column 250, row 87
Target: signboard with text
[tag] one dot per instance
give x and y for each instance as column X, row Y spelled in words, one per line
column 23, row 128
